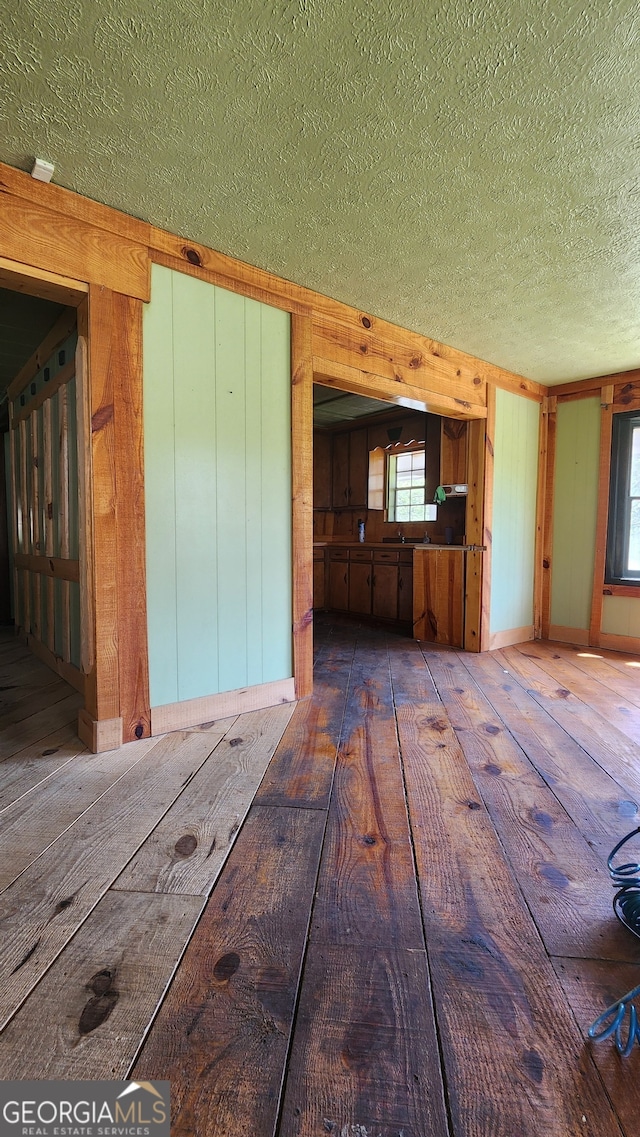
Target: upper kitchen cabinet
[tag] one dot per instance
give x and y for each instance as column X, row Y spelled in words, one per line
column 350, row 469
column 453, row 451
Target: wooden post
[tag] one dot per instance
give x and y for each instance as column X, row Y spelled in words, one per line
column 604, row 471
column 302, row 491
column 117, row 705
column 474, row 534
column 544, row 531
column 487, row 522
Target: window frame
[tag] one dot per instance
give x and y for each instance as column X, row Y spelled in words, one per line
column 620, row 500
column 392, row 453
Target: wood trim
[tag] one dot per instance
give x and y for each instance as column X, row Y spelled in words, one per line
column 487, row 515
column 62, row 328
column 541, row 502
column 604, row 468
column 346, row 378
column 33, row 234
column 133, row 664
column 629, row 590
column 396, row 361
column 102, row 699
column 579, row 636
column 583, row 388
column 65, row 670
column 613, row 642
column 49, row 548
column 71, row 205
column 302, row 497
column 511, row 636
column 474, row 528
column 38, row 282
column 544, row 558
column 120, row 687
column 99, row 736
column 57, row 567
column 193, row 712
column 64, row 376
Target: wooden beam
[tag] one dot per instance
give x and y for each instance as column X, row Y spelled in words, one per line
column 585, row 387
column 353, row 379
column 41, row 283
column 55, row 567
column 302, row 487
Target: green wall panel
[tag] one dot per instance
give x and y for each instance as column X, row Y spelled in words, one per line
column 575, row 512
column 620, row 616
column 514, row 511
column 218, row 489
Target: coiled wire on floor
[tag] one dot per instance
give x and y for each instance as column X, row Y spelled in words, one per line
column 626, row 905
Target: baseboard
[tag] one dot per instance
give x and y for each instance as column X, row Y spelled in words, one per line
column 99, row 734
column 511, row 636
column 193, row 712
column 629, row 644
column 579, row 636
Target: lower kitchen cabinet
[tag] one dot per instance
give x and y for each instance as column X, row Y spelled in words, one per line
column 438, row 596
column 360, row 573
column 339, row 580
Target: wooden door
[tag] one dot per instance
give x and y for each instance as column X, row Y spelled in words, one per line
column 339, row 584
column 322, row 496
column 405, row 592
column 358, row 469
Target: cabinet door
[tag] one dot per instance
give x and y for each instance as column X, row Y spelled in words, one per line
column 440, row 604
column 405, row 593
column 360, row 588
column 384, row 601
column 322, row 498
column 340, row 465
column 453, row 451
column 339, row 585
column 358, row 468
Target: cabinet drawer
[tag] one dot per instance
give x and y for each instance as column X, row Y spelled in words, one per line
column 386, row 556
column 405, row 556
column 361, row 554
column 318, row 554
column 338, row 554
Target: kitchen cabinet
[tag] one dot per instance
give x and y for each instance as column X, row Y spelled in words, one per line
column 368, row 581
column 360, row 574
column 322, row 496
column 350, row 469
column 339, row 579
column 438, row 595
column 453, row 451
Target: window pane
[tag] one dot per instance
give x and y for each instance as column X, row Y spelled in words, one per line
column 403, row 462
column 633, row 564
column 403, row 478
column 417, row 513
column 402, row 513
column 417, row 496
column 634, row 489
column 403, row 497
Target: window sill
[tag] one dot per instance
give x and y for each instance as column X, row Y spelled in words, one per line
column 622, row 590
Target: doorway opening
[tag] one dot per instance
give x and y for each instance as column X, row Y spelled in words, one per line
column 43, row 578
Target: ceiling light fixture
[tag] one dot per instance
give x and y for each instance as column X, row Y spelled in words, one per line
column 42, row 171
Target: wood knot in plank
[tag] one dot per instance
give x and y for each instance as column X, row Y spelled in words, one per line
column 192, row 256
column 99, row 1007
column 365, row 321
column 101, row 418
column 226, row 966
column 186, row 845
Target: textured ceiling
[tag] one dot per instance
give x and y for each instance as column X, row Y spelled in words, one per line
column 468, row 170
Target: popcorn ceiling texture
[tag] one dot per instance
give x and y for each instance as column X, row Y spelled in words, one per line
column 468, row 170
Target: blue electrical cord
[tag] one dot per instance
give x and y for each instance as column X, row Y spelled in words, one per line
column 626, row 905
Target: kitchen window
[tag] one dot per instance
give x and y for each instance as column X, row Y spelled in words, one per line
column 623, row 535
column 406, row 487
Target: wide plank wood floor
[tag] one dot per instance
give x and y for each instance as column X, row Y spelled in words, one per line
column 384, row 913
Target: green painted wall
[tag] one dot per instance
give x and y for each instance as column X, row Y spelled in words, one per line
column 217, row 435
column 575, row 512
column 514, row 511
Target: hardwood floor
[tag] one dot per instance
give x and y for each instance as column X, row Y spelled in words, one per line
column 386, row 914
